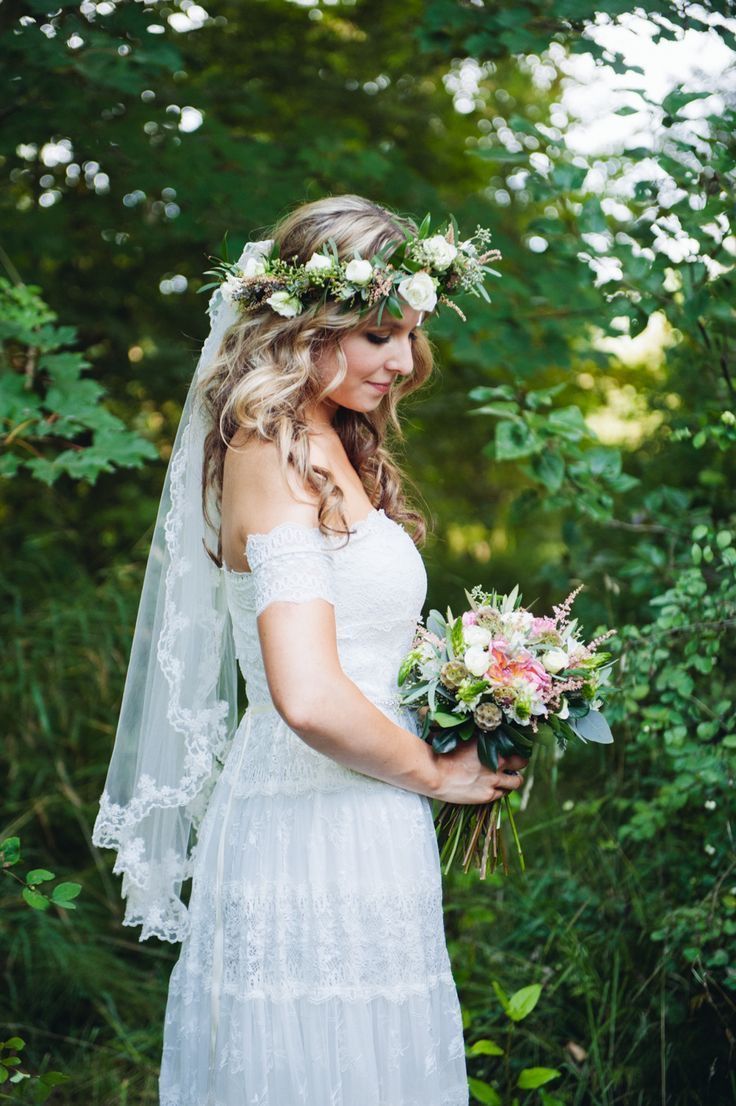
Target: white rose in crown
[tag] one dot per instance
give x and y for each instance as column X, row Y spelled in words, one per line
column 285, row 304
column 358, row 271
column 253, row 266
column 476, row 660
column 230, row 288
column 440, row 252
column 554, row 660
column 318, row 263
column 419, row 291
column 476, row 635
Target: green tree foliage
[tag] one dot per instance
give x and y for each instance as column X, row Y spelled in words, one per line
column 547, row 453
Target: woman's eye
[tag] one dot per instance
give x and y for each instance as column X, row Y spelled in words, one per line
column 380, row 339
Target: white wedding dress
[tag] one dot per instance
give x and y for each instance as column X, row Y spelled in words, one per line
column 314, row 971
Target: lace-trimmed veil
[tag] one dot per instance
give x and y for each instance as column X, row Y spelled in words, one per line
column 179, row 706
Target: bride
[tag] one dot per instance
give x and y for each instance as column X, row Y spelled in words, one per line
column 313, row 967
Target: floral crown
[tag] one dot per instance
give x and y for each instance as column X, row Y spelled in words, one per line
column 424, row 270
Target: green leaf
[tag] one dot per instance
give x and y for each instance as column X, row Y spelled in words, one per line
column 549, row 469
column 531, row 1078
column 484, row 1048
column 501, row 995
column 445, row 719
column 484, row 1092
column 514, row 440
column 35, row 899
column 39, row 875
column 15, row 1043
column 522, row 1002
column 10, row 851
column 64, row 892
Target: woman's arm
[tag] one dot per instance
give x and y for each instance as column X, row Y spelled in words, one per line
column 307, row 683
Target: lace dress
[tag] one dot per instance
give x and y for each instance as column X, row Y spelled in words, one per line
column 315, row 969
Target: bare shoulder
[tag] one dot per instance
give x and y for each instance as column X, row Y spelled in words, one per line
column 257, row 495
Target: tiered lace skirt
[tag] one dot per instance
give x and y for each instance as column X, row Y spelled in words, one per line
column 315, row 969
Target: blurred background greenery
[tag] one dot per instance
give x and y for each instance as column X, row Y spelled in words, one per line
column 580, row 430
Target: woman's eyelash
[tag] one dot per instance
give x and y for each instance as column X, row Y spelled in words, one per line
column 380, row 340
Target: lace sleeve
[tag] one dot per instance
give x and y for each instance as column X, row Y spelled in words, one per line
column 291, row 562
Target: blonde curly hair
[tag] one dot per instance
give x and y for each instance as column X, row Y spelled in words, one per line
column 264, row 377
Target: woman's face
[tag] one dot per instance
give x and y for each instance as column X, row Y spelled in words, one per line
column 376, row 357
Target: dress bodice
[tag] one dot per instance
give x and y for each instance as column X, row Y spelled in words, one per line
column 377, row 583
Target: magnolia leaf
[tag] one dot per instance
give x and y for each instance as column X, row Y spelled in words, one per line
column 593, row 727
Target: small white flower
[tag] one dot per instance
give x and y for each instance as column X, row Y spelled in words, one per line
column 476, row 635
column 230, row 287
column 468, row 247
column 710, row 849
column 710, row 804
column 358, row 271
column 554, row 660
column 254, row 266
column 419, row 291
column 440, row 252
column 318, row 263
column 476, row 660
column 285, row 304
column 564, row 710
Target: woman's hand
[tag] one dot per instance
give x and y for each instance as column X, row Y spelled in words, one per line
column 463, row 779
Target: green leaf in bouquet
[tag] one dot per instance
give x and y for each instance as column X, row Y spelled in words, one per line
column 436, row 624
column 469, row 691
column 410, row 696
column 445, row 719
column 593, row 727
column 406, row 666
column 487, row 750
column 445, row 742
column 577, row 709
column 457, row 637
column 545, row 735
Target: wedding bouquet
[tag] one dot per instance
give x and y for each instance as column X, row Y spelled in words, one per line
column 512, row 680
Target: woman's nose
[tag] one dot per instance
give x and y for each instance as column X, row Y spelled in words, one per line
column 402, row 360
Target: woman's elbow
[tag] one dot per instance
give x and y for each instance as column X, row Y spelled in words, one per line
column 303, row 708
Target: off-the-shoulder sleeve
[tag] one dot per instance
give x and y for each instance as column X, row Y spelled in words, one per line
column 292, row 562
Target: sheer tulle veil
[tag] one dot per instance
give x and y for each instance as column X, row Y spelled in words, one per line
column 179, row 706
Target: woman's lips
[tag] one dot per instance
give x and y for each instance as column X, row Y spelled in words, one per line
column 382, row 388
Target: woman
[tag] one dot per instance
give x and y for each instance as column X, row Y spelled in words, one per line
column 313, row 968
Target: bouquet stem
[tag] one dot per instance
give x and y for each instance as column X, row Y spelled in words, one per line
column 475, row 829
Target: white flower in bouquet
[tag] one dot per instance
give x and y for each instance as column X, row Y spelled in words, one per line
column 439, row 251
column 477, row 635
column 358, row 271
column 564, row 710
column 285, row 304
column 420, row 291
column 476, row 660
column 554, row 660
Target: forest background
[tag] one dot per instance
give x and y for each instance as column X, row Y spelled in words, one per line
column 580, row 430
